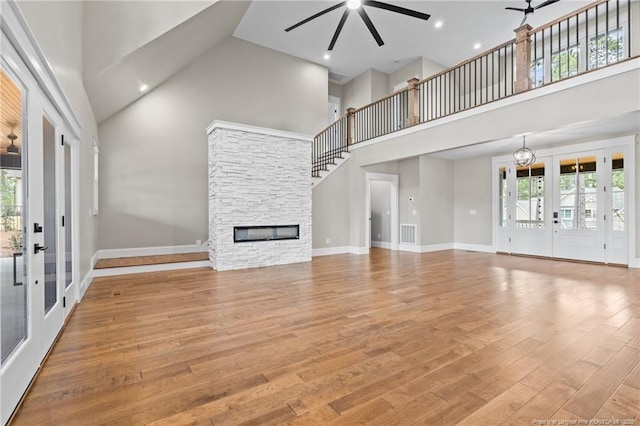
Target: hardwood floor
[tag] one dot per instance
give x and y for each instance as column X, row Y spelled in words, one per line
column 387, row 339
column 119, row 262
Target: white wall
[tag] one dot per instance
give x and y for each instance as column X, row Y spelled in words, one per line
column 154, row 152
column 57, row 27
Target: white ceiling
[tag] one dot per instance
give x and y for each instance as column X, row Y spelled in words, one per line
column 464, row 24
column 608, row 127
column 146, row 42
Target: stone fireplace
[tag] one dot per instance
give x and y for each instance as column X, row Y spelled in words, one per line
column 259, row 196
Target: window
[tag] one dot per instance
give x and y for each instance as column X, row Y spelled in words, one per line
column 617, row 192
column 564, row 63
column 606, row 48
column 503, row 196
column 530, row 196
column 578, row 188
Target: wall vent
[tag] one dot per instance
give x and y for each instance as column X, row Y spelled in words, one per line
column 408, row 233
column 336, row 77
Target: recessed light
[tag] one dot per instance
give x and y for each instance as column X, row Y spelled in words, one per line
column 326, row 56
column 477, row 46
column 438, row 24
column 354, row 4
column 143, row 87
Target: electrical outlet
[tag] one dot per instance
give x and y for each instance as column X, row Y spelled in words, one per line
column 328, row 240
column 378, row 236
column 414, row 212
column 473, row 212
column 198, row 242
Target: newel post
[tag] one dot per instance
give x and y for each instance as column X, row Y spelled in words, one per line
column 351, row 126
column 523, row 58
column 413, row 99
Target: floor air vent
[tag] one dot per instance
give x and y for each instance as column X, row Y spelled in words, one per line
column 408, row 233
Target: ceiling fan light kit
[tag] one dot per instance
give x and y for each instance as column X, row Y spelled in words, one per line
column 359, row 6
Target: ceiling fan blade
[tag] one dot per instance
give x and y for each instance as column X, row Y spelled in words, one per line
column 546, row 3
column 310, row 18
column 397, row 9
column 515, row 8
column 524, row 19
column 345, row 15
column 370, row 25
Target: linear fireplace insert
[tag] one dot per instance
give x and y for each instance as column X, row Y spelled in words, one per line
column 244, row 234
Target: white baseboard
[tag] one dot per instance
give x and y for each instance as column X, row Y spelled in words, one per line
column 436, row 247
column 382, row 244
column 474, row 247
column 151, row 251
column 109, row 272
column 634, row 263
column 409, row 247
column 329, row 251
column 85, row 283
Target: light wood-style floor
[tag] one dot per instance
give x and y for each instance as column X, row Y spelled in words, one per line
column 119, row 262
column 391, row 338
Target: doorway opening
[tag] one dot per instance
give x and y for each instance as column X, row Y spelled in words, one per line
column 382, row 211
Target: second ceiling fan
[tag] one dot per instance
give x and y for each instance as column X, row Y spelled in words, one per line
column 359, row 6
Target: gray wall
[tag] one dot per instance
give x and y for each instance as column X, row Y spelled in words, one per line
column 154, row 152
column 410, row 189
column 330, row 210
column 381, row 211
column 62, row 46
column 472, row 191
column 436, row 200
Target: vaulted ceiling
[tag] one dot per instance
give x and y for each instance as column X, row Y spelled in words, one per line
column 131, row 44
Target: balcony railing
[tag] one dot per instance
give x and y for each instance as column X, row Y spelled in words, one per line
column 595, row 36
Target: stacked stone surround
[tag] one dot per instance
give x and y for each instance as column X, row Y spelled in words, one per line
column 257, row 177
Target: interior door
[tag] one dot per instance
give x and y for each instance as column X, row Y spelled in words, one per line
column 579, row 206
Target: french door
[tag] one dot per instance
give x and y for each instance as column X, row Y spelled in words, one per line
column 568, row 206
column 37, row 286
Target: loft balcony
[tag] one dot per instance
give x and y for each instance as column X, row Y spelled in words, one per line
column 580, row 68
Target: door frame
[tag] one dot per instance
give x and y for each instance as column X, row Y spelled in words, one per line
column 625, row 143
column 395, row 220
column 21, row 54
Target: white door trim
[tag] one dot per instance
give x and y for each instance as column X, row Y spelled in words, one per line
column 395, row 224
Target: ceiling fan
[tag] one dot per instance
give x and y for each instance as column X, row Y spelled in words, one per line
column 530, row 9
column 359, row 6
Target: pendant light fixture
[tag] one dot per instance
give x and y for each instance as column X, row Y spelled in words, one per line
column 12, row 149
column 524, row 156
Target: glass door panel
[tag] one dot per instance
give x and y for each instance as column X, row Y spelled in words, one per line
column 50, row 228
column 68, row 258
column 13, row 280
column 530, row 232
column 578, row 221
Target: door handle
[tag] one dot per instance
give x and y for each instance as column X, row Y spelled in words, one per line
column 37, row 248
column 15, row 268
